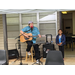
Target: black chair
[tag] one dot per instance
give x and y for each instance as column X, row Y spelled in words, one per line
column 54, row 58
column 69, row 41
column 3, row 57
column 73, row 40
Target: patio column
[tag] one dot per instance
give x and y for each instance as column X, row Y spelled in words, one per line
column 5, row 35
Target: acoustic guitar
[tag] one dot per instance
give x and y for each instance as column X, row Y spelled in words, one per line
column 24, row 39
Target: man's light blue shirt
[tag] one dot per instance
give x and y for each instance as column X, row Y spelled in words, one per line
column 34, row 32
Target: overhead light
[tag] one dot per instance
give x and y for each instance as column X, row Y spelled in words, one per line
column 64, row 12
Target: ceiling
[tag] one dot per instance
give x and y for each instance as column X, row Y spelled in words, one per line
column 9, row 11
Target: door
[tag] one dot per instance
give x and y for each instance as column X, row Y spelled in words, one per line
column 67, row 26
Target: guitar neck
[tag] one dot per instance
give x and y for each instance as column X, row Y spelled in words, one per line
column 33, row 36
column 37, row 36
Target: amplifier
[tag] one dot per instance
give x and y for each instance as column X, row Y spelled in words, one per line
column 13, row 53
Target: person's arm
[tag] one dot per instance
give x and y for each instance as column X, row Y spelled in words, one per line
column 57, row 41
column 38, row 33
column 22, row 32
column 63, row 40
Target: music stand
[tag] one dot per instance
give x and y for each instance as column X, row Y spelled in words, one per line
column 39, row 43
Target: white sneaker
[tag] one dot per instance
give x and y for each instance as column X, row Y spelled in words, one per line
column 29, row 53
column 46, row 51
column 37, row 61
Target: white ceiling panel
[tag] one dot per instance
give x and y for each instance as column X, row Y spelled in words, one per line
column 9, row 11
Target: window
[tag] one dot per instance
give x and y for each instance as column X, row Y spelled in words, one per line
column 48, row 28
column 29, row 17
column 47, row 17
column 47, row 23
column 12, row 25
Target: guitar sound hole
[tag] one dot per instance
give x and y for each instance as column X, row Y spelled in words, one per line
column 26, row 38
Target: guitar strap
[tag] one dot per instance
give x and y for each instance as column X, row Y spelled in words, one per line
column 28, row 30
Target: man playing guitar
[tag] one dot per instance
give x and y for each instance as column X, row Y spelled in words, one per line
column 34, row 30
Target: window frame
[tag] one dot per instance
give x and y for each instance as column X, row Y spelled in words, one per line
column 38, row 20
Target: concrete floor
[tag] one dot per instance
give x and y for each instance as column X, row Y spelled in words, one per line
column 29, row 62
column 69, row 53
column 68, row 60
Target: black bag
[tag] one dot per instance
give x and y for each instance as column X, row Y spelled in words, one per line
column 13, row 53
column 48, row 46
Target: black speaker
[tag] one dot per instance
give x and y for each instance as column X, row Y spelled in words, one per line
column 13, row 54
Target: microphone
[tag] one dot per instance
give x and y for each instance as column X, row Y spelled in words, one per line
column 31, row 28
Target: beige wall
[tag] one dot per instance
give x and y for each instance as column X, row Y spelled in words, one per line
column 1, row 34
column 73, row 23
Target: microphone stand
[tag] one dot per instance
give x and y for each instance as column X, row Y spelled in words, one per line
column 19, row 47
